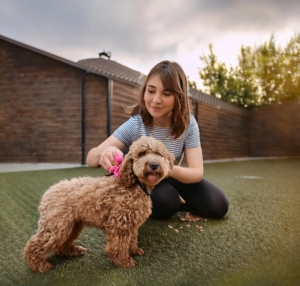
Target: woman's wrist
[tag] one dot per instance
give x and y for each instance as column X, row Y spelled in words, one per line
column 187, row 175
column 174, row 171
column 93, row 158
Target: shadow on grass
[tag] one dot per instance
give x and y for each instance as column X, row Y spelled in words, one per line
column 257, row 243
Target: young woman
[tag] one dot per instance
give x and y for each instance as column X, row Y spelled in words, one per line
column 163, row 111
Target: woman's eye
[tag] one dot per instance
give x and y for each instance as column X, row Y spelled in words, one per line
column 167, row 94
column 151, row 91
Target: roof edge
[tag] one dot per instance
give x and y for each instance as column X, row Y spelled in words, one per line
column 52, row 56
column 216, row 102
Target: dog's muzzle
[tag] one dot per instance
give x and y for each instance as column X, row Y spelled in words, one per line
column 153, row 165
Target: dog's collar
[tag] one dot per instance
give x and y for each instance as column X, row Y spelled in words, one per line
column 143, row 188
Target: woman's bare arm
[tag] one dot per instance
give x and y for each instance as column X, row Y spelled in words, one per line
column 104, row 154
column 193, row 173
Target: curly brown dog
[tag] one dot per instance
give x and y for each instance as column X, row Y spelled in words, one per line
column 118, row 206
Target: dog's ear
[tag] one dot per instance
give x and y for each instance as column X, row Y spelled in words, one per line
column 127, row 177
column 171, row 160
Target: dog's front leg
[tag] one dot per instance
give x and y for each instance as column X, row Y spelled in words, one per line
column 117, row 247
column 134, row 249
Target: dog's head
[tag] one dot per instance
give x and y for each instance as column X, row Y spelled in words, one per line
column 148, row 161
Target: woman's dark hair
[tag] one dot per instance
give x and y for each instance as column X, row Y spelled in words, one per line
column 174, row 80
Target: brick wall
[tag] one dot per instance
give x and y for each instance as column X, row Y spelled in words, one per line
column 40, row 108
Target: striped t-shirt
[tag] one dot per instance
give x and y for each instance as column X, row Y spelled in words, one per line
column 134, row 128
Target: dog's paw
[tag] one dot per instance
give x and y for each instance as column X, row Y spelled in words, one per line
column 73, row 250
column 43, row 267
column 137, row 251
column 128, row 263
column 78, row 250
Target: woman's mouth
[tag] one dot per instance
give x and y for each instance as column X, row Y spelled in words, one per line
column 156, row 108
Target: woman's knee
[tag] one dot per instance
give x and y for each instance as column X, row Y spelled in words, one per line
column 165, row 200
column 220, row 209
column 207, row 200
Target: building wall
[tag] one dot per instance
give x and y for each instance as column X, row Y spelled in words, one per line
column 96, row 90
column 275, row 130
column 40, row 107
column 223, row 133
column 124, row 95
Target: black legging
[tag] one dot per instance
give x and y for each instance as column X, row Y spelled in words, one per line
column 203, row 199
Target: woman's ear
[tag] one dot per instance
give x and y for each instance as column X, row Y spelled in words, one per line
column 127, row 177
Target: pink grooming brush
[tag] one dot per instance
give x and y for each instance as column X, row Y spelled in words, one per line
column 115, row 170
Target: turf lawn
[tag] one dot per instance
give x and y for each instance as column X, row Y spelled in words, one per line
column 257, row 243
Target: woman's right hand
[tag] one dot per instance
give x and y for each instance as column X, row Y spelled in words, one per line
column 107, row 158
column 104, row 154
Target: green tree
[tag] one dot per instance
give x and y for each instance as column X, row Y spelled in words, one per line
column 291, row 70
column 264, row 74
column 214, row 74
column 232, row 85
column 268, row 72
column 241, row 89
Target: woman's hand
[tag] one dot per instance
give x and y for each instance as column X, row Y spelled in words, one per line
column 107, row 158
column 104, row 154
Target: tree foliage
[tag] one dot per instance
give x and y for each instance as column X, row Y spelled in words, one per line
column 264, row 74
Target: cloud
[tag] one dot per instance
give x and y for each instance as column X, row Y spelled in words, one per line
column 139, row 33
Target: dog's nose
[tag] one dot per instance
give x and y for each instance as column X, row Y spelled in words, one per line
column 153, row 165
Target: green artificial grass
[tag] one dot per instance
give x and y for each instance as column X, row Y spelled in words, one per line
column 257, row 243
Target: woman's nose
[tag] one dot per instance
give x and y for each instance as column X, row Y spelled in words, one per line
column 157, row 98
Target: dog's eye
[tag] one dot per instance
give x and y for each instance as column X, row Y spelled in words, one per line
column 159, row 154
column 142, row 154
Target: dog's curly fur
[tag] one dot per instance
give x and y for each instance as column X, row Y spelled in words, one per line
column 118, row 206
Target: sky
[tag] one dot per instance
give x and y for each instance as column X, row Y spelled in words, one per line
column 141, row 33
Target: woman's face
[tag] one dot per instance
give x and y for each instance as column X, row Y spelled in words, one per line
column 159, row 101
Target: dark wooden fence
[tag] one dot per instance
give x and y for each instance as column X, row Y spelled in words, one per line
column 275, row 130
